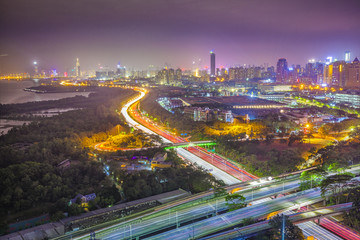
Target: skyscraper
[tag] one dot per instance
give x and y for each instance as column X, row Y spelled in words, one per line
column 353, row 74
column 212, row 64
column 178, row 74
column 347, row 56
column 35, row 68
column 77, row 68
column 281, row 70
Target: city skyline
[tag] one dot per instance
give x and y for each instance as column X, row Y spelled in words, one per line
column 175, row 33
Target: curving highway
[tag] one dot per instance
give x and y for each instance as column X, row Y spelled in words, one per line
column 219, row 174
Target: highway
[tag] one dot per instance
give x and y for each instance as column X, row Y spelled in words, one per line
column 310, row 228
column 253, row 229
column 192, row 211
column 231, row 219
column 189, row 210
column 217, row 173
column 339, row 229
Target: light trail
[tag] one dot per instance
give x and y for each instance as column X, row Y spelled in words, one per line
column 217, row 173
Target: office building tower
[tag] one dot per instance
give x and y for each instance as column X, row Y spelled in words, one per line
column 118, row 69
column 35, row 67
column 212, row 64
column 319, row 73
column 328, row 71
column 353, row 70
column 347, row 56
column 217, row 71
column 171, row 76
column 77, row 68
column 339, row 73
column 232, row 73
column 178, row 74
column 329, row 60
column 282, row 71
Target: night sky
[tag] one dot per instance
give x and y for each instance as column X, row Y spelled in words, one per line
column 176, row 32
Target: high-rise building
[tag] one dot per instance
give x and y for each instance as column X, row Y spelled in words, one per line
column 162, row 77
column 212, row 64
column 35, row 68
column 319, row 72
column 77, row 68
column 339, row 73
column 120, row 71
column 178, row 74
column 328, row 72
column 353, row 74
column 232, row 73
column 217, row 71
column 171, row 76
column 118, row 68
column 347, row 56
column 282, row 71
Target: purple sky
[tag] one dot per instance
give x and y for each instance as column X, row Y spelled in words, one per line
column 142, row 32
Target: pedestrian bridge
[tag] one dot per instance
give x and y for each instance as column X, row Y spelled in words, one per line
column 188, row 144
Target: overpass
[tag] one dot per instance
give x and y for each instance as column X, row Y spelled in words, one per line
column 187, row 214
column 253, row 229
column 188, row 144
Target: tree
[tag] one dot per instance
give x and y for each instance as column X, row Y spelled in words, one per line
column 235, row 201
column 219, row 191
column 355, row 133
column 352, row 218
column 311, row 178
column 324, row 130
column 335, row 184
column 248, row 221
column 291, row 231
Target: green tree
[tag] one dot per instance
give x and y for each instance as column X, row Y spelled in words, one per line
column 291, row 231
column 352, row 218
column 324, row 131
column 235, row 201
column 248, row 221
column 311, row 178
column 219, row 191
column 335, row 184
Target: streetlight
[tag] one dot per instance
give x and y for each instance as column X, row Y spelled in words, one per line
column 307, row 127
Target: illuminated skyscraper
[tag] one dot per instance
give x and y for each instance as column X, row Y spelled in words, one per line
column 35, row 67
column 77, row 68
column 347, row 56
column 282, row 70
column 353, row 74
column 178, row 74
column 212, row 64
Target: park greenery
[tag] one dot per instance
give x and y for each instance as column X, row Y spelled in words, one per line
column 135, row 139
column 33, row 183
column 140, row 184
column 336, row 110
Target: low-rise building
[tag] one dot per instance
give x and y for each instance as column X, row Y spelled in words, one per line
column 350, row 98
column 206, row 114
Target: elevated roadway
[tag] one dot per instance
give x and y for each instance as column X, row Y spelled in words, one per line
column 204, row 205
column 253, row 229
